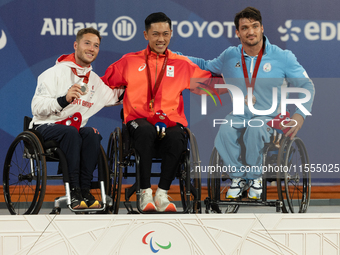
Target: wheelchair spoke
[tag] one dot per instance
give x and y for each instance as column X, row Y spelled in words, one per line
column 23, row 175
column 222, row 191
column 296, row 185
column 217, row 186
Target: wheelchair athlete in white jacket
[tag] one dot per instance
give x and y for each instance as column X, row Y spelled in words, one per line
column 67, row 88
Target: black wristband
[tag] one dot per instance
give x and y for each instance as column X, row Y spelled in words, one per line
column 62, row 101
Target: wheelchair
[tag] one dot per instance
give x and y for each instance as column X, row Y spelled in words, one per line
column 25, row 175
column 289, row 170
column 121, row 155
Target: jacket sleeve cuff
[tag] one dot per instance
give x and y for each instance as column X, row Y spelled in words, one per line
column 301, row 113
column 62, row 101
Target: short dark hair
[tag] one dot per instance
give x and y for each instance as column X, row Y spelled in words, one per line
column 88, row 30
column 155, row 18
column 248, row 13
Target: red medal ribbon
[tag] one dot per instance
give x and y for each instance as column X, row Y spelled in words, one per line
column 86, row 77
column 257, row 65
column 159, row 79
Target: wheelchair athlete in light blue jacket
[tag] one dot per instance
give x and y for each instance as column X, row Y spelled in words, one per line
column 277, row 69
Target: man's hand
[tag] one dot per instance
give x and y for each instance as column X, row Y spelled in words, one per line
column 298, row 122
column 73, row 93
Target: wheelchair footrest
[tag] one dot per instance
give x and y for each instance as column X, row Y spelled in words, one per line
column 248, row 202
column 211, row 206
column 88, row 210
column 278, row 205
column 129, row 208
column 56, row 210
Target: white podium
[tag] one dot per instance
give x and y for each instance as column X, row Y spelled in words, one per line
column 211, row 234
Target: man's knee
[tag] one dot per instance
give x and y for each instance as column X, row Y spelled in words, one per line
column 71, row 133
column 175, row 136
column 143, row 129
column 260, row 131
column 90, row 135
column 228, row 134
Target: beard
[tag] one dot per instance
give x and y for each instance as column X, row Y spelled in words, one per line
column 255, row 42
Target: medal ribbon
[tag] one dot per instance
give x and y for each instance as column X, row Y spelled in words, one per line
column 257, row 65
column 86, row 77
column 159, row 79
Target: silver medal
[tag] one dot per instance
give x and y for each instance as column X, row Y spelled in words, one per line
column 83, row 87
column 246, row 100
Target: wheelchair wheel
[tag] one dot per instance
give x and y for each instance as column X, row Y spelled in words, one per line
column 110, row 159
column 189, row 177
column 294, row 183
column 24, row 175
column 102, row 165
column 216, row 191
column 114, row 156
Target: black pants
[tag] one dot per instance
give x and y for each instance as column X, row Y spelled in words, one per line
column 81, row 150
column 146, row 143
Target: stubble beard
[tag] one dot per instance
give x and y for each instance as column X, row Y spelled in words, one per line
column 260, row 38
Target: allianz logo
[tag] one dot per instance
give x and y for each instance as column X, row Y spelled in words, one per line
column 123, row 28
column 312, row 31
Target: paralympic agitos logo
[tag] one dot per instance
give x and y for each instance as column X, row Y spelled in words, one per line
column 204, row 97
column 153, row 245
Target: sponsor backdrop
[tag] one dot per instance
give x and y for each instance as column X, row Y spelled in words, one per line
column 33, row 34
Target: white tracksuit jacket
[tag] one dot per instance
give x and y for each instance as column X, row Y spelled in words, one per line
column 55, row 82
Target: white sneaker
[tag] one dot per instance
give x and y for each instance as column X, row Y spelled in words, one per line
column 255, row 190
column 162, row 202
column 237, row 186
column 146, row 201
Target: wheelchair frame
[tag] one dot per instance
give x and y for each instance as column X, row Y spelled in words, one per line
column 121, row 156
column 25, row 173
column 288, row 184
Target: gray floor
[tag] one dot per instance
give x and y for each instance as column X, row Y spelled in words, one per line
column 316, row 206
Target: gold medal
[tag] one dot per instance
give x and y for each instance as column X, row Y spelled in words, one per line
column 151, row 104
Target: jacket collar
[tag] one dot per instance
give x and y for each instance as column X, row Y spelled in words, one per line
column 150, row 52
column 266, row 48
column 70, row 61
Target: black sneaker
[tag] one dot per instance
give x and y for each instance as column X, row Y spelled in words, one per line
column 77, row 201
column 89, row 199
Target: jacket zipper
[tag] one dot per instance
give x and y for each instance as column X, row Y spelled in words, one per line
column 251, row 67
column 156, row 70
